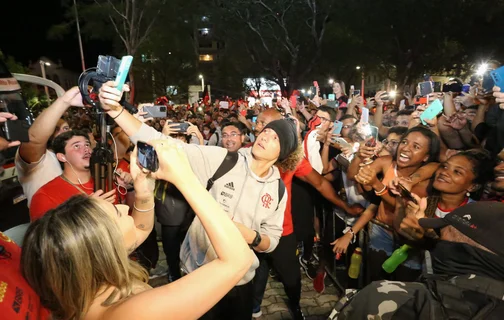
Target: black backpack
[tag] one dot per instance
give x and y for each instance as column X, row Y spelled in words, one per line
column 171, row 207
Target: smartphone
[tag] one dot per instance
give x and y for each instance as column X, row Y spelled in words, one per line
column 406, row 194
column 466, row 88
column 338, row 125
column 364, row 115
column 147, row 156
column 371, row 142
column 331, row 96
column 332, row 103
column 224, row 105
column 342, row 142
column 180, row 127
column 488, row 82
column 425, row 88
column 254, row 119
column 432, row 111
column 123, row 71
column 155, row 111
column 16, row 130
column 498, row 77
column 356, row 93
column 436, row 86
column 312, row 93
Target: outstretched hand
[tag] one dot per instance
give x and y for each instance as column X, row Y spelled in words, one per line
column 110, row 96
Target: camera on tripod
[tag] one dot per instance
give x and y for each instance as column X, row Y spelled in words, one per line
column 108, row 68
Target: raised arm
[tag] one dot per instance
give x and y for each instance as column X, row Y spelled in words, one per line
column 43, row 127
column 191, row 296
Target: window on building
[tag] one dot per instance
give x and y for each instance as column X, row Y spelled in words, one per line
column 206, row 57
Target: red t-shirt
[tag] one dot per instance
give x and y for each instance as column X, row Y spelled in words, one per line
column 124, row 165
column 54, row 193
column 303, row 169
column 17, row 298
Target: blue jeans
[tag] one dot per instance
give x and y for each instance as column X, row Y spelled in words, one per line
column 383, row 240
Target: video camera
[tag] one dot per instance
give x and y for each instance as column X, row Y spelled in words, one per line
column 107, row 69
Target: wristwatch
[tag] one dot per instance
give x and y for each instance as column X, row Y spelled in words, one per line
column 349, row 229
column 257, row 240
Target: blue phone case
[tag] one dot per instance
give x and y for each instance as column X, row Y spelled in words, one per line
column 432, row 111
column 338, row 125
column 498, row 77
column 123, row 71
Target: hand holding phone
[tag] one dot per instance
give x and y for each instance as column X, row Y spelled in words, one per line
column 406, row 194
column 432, row 111
column 147, row 156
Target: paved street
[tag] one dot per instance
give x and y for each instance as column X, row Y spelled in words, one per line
column 315, row 306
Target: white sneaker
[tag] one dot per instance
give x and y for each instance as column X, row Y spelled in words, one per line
column 159, row 271
column 257, row 314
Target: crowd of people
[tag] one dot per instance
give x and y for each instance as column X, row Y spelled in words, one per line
column 249, row 191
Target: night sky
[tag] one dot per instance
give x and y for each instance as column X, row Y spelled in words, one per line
column 25, row 25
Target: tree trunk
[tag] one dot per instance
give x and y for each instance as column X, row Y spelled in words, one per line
column 132, row 88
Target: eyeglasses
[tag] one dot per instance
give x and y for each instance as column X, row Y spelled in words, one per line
column 231, row 135
column 324, row 119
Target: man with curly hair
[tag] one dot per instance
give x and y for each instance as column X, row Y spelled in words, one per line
column 249, row 193
column 284, row 259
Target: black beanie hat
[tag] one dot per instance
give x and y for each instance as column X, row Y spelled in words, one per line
column 287, row 135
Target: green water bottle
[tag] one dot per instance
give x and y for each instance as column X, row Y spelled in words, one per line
column 355, row 264
column 399, row 256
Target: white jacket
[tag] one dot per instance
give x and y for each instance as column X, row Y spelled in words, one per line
column 246, row 198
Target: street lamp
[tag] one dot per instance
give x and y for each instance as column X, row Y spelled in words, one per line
column 358, row 67
column 331, row 81
column 43, row 64
column 202, row 82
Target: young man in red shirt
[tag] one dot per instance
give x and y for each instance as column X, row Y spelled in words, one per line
column 73, row 151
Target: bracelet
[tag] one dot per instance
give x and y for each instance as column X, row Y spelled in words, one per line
column 118, row 114
column 382, row 191
column 134, row 207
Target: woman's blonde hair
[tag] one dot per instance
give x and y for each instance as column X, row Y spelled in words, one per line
column 75, row 252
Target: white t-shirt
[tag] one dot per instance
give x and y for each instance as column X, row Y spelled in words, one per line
column 34, row 175
column 441, row 214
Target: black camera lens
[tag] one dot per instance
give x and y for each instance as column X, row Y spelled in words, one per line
column 162, row 109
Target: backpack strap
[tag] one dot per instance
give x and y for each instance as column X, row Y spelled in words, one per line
column 227, row 164
column 281, row 191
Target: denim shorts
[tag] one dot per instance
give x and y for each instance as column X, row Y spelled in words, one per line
column 383, row 240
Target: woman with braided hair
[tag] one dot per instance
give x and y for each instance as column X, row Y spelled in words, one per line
column 457, row 182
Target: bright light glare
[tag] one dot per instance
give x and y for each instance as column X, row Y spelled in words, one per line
column 262, row 79
column 358, row 67
column 331, row 81
column 366, row 130
column 482, row 69
column 201, row 76
column 303, row 90
column 392, row 94
column 309, row 92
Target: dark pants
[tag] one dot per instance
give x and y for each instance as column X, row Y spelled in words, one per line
column 286, row 265
column 147, row 254
column 172, row 237
column 236, row 305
